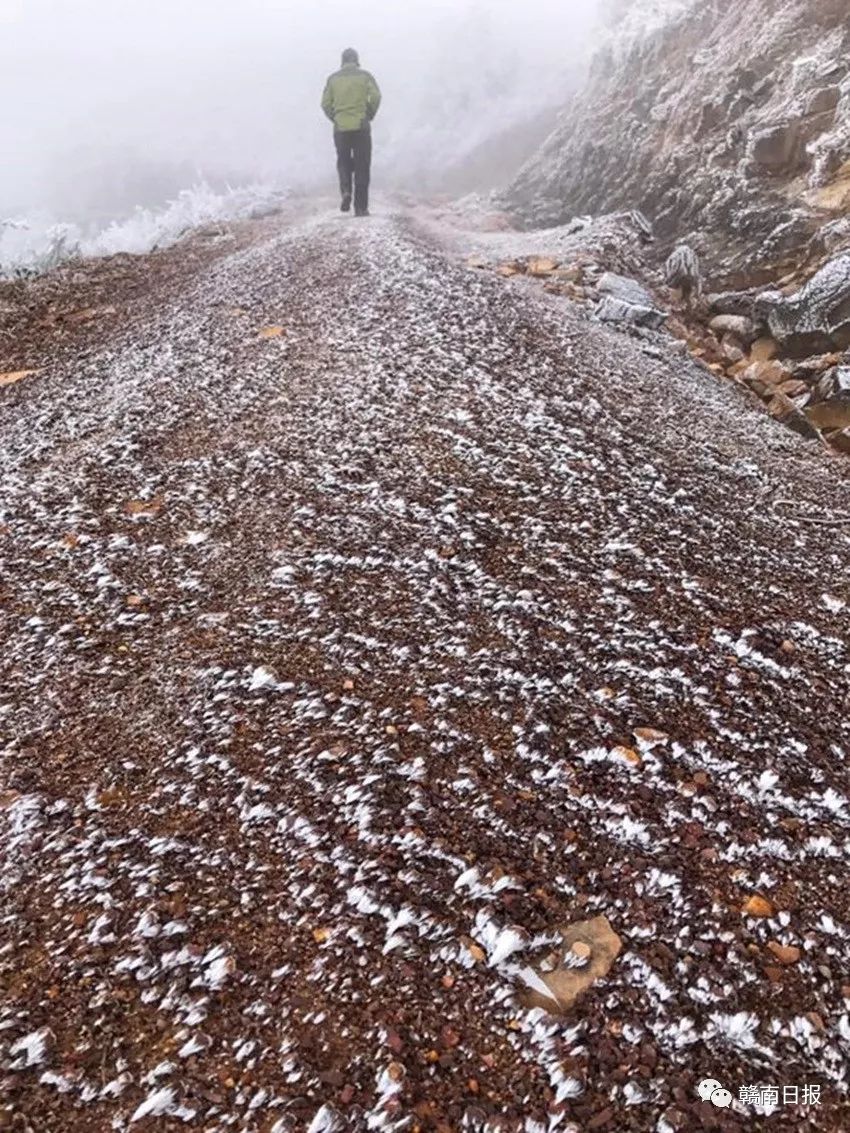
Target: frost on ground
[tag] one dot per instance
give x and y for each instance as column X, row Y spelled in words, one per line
column 342, row 668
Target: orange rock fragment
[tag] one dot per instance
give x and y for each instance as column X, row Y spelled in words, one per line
column 757, row 906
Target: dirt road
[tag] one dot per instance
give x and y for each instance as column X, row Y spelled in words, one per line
column 339, row 599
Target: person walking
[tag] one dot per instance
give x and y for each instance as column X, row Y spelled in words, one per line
column 351, row 101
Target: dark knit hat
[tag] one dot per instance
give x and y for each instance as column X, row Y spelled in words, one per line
column 350, row 56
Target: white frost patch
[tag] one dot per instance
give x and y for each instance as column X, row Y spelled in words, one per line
column 325, row 1121
column 626, row 829
column 156, row 1104
column 531, row 980
column 262, row 678
column 499, row 942
column 218, row 967
column 738, row 1030
column 682, row 1033
column 192, row 1046
column 633, row 1094
column 258, row 813
column 32, row 1048
column 61, row 1082
column 148, row 925
column 833, row 604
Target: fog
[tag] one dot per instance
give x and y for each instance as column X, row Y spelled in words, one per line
column 110, row 104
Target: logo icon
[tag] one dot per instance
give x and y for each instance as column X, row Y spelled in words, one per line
column 710, row 1090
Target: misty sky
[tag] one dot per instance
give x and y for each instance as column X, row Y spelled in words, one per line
column 110, row 103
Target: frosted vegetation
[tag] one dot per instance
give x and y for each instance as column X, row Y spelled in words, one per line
column 37, row 244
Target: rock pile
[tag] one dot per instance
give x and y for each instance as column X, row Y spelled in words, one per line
column 791, row 348
column 788, row 345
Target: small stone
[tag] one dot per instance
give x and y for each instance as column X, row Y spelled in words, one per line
column 773, row 974
column 764, row 350
column 823, row 100
column 757, row 906
column 731, row 351
column 475, row 950
column 549, row 963
column 627, row 755
column 541, row 265
column 785, row 954
column 795, row 388
column 599, row 946
column 581, row 950
column 821, row 366
column 651, row 735
column 571, row 274
column 770, row 374
column 775, row 148
column 783, row 409
column 601, row 1119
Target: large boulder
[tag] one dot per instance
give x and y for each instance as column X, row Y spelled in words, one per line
column 625, row 289
column 775, row 148
column 624, row 300
column 823, row 100
column 816, row 319
column 737, row 325
column 611, row 310
column 783, row 409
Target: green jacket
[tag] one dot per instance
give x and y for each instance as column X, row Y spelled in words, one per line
column 351, row 98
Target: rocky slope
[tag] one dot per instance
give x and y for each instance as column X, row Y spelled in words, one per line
column 730, row 127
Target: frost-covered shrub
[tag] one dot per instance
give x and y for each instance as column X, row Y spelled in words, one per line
column 35, row 245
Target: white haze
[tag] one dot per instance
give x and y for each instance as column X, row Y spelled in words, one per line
column 113, row 104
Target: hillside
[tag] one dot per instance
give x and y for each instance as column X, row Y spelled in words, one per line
column 729, row 127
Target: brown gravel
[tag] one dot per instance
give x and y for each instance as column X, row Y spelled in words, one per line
column 322, row 654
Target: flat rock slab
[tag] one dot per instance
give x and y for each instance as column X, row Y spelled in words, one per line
column 587, row 955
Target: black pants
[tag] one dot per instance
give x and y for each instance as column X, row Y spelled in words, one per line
column 354, row 162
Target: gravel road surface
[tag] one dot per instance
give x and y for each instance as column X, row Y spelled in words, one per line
column 367, row 619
